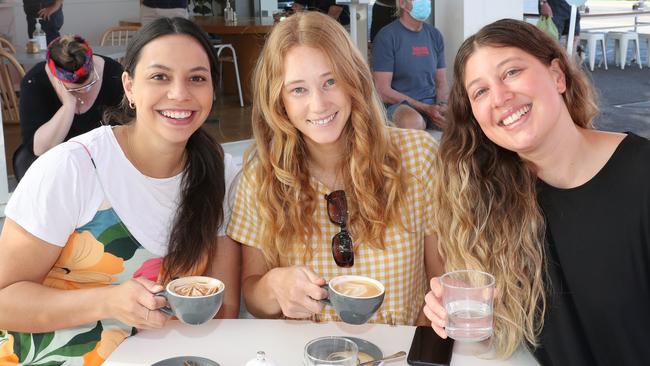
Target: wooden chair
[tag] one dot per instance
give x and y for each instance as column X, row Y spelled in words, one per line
column 11, row 73
column 118, row 36
column 7, row 46
column 9, row 66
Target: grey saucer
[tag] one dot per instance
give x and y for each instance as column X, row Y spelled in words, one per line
column 368, row 347
column 180, row 361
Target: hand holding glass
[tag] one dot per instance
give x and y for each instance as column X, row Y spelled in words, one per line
column 467, row 296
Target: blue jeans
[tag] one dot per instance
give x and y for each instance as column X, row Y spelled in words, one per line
column 390, row 110
column 51, row 27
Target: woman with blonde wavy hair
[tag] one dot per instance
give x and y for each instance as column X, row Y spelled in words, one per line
column 328, row 189
column 557, row 211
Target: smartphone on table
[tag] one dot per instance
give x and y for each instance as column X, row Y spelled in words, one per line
column 428, row 349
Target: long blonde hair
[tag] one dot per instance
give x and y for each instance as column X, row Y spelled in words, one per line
column 372, row 171
column 486, row 213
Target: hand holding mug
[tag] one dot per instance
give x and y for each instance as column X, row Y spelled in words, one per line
column 355, row 298
column 134, row 303
column 297, row 290
column 193, row 299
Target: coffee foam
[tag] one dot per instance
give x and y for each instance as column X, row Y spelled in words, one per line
column 196, row 289
column 357, row 288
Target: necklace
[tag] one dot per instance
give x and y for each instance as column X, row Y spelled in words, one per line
column 324, row 178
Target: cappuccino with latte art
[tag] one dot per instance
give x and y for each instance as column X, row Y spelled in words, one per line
column 357, row 288
column 355, row 298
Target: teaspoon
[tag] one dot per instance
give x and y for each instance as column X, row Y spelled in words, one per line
column 374, row 362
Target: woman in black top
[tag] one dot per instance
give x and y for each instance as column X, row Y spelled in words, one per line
column 64, row 96
column 559, row 212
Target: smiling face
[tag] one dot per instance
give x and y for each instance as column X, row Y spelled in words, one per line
column 171, row 88
column 516, row 99
column 315, row 102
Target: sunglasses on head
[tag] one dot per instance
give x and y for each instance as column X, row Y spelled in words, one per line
column 85, row 88
column 337, row 210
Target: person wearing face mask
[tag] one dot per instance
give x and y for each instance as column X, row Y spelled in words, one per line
column 409, row 68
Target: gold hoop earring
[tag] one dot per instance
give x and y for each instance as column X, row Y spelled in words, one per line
column 131, row 104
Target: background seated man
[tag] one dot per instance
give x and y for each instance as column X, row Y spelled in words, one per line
column 329, row 7
column 409, row 68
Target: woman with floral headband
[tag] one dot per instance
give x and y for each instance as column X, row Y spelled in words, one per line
column 64, row 96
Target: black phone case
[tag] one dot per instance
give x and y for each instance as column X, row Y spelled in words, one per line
column 428, row 349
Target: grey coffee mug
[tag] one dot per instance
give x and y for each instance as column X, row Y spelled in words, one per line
column 353, row 309
column 193, row 309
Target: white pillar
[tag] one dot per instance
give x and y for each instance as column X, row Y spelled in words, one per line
column 572, row 28
column 459, row 19
column 358, row 24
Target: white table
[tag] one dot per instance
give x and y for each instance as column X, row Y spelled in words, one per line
column 30, row 59
column 235, row 341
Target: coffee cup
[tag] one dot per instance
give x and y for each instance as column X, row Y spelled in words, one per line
column 354, row 298
column 193, row 299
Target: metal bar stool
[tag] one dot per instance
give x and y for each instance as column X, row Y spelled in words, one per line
column 645, row 37
column 220, row 47
column 592, row 39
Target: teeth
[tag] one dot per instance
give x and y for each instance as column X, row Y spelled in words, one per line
column 515, row 116
column 320, row 122
column 176, row 114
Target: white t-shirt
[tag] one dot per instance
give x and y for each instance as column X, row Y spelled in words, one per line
column 60, row 192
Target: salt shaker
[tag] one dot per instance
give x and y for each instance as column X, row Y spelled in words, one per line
column 260, row 360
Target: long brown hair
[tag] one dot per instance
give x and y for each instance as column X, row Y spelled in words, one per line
column 200, row 211
column 486, row 210
column 372, row 172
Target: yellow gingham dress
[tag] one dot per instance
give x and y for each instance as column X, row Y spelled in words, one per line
column 400, row 267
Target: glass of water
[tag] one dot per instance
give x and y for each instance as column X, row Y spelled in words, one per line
column 468, row 296
column 331, row 351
